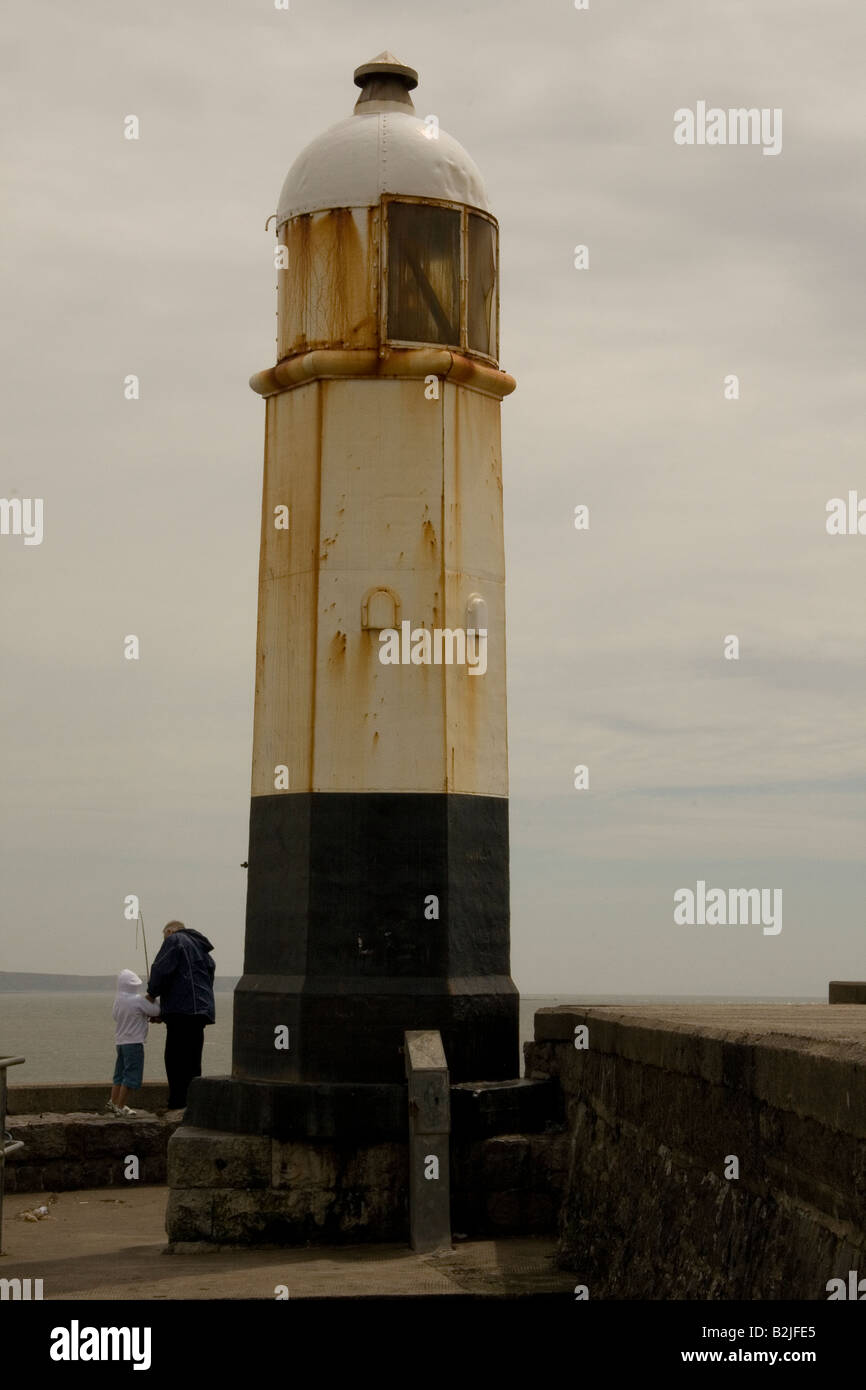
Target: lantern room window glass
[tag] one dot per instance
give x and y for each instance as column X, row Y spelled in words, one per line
column 423, row 274
column 481, row 274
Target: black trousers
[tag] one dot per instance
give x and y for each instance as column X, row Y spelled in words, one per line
column 184, row 1039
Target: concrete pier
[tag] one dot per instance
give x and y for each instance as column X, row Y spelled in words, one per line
column 707, row 1152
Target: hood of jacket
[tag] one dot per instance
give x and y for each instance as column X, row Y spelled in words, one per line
column 128, row 982
column 198, row 937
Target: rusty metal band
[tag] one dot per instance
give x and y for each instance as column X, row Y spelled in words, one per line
column 333, row 363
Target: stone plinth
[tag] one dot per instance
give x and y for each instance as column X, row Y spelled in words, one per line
column 330, row 1163
column 233, row 1189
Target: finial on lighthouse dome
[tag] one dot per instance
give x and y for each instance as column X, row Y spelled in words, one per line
column 383, row 147
column 385, row 72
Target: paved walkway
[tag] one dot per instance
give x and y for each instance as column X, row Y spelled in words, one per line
column 110, row 1243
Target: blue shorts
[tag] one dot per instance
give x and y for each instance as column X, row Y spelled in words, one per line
column 129, row 1067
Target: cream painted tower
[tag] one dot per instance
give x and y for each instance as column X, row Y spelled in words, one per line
column 378, row 861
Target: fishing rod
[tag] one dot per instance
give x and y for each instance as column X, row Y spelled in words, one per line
column 140, row 919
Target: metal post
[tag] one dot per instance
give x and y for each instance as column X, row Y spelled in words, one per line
column 10, row 1146
column 429, row 1130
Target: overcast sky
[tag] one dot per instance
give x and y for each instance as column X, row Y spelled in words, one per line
column 707, row 516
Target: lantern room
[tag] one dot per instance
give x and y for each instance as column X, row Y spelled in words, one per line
column 389, row 240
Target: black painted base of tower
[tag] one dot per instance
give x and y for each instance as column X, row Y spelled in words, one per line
column 285, row 1110
column 352, row 1030
column 369, row 914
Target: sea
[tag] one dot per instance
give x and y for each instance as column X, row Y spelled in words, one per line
column 69, row 1036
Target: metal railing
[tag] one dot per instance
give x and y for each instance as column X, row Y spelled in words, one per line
column 7, row 1146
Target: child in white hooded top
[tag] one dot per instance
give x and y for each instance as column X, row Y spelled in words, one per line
column 131, row 1013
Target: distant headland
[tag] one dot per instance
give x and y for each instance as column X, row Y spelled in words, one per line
column 28, row 982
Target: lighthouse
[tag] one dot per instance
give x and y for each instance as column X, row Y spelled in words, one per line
column 376, row 963
column 378, row 883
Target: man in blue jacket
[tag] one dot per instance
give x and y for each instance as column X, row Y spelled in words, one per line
column 181, row 977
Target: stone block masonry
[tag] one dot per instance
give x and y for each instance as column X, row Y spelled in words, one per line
column 716, row 1152
column 509, row 1183
column 68, row 1152
column 240, row 1189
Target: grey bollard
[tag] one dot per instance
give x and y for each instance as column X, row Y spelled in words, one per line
column 429, row 1131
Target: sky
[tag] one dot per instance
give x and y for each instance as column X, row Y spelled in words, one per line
column 707, row 514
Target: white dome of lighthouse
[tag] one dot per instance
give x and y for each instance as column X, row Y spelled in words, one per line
column 384, row 147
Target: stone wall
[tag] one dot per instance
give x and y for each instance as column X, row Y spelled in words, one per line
column 660, row 1101
column 68, row 1152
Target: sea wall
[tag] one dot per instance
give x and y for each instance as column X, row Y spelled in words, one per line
column 67, row 1097
column 714, row 1152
